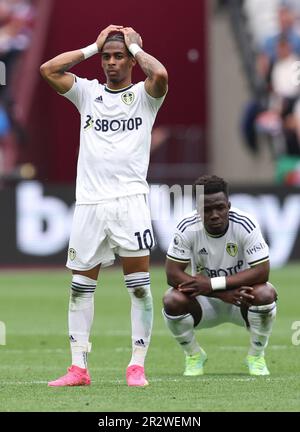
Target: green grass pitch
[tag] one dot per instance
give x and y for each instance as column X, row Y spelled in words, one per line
column 33, row 306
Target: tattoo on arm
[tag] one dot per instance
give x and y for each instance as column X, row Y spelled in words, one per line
column 65, row 67
column 64, row 62
column 149, row 64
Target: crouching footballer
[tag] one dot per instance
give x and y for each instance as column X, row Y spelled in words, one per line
column 229, row 278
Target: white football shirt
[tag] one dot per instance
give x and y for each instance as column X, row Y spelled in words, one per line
column 240, row 247
column 115, row 138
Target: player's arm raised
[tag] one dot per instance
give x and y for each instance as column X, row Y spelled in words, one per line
column 156, row 84
column 55, row 71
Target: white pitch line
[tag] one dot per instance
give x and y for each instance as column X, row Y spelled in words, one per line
column 159, row 380
column 8, row 350
column 156, row 333
column 34, row 350
column 22, row 382
column 242, row 348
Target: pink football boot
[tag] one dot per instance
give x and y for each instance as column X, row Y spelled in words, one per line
column 76, row 376
column 135, row 376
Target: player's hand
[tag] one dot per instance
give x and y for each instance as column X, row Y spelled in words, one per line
column 199, row 285
column 131, row 36
column 242, row 296
column 103, row 35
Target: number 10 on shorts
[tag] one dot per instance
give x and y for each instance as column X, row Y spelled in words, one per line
column 145, row 240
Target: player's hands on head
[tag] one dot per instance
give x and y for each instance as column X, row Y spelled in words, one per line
column 131, row 36
column 103, row 35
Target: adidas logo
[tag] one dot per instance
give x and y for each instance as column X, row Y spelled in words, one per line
column 139, row 342
column 99, row 99
column 203, row 251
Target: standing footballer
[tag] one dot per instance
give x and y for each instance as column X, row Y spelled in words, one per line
column 111, row 214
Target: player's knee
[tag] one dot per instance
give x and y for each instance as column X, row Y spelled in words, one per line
column 264, row 294
column 82, row 291
column 175, row 303
column 139, row 292
column 141, row 297
column 80, row 301
column 138, row 286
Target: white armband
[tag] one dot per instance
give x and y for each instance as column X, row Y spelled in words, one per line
column 134, row 49
column 218, row 283
column 90, row 50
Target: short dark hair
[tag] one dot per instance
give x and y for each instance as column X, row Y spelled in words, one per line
column 212, row 184
column 116, row 37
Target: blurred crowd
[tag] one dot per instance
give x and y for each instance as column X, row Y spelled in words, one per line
column 16, row 26
column 275, row 109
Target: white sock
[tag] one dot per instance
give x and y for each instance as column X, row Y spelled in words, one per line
column 182, row 328
column 261, row 320
column 138, row 285
column 81, row 314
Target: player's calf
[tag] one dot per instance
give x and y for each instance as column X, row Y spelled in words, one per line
column 181, row 313
column 261, row 315
column 176, row 304
column 138, row 286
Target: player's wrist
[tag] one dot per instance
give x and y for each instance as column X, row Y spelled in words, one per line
column 90, row 50
column 218, row 283
column 134, row 48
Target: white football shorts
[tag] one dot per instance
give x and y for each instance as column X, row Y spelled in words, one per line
column 118, row 226
column 216, row 312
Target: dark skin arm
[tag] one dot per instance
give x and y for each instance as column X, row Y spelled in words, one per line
column 156, row 83
column 55, row 71
column 238, row 285
column 176, row 274
column 202, row 285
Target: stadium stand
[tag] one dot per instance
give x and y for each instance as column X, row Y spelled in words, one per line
column 23, row 26
column 268, row 40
